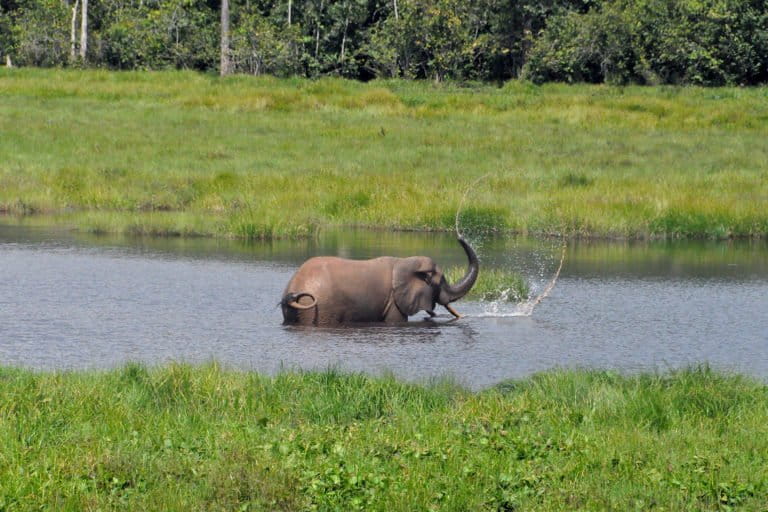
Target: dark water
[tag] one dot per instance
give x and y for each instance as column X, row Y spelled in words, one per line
column 77, row 301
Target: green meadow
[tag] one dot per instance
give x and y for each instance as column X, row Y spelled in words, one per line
column 207, row 438
column 183, row 153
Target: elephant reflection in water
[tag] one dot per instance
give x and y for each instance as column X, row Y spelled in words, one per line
column 332, row 291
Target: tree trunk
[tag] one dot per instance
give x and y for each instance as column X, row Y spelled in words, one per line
column 344, row 39
column 73, row 33
column 317, row 30
column 289, row 13
column 225, row 63
column 84, row 31
column 397, row 17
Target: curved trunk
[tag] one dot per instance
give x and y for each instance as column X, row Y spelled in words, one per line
column 452, row 293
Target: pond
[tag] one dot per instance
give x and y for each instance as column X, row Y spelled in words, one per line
column 72, row 300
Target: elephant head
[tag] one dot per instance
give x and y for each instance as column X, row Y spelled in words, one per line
column 419, row 284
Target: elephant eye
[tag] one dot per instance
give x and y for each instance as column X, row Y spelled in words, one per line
column 424, row 276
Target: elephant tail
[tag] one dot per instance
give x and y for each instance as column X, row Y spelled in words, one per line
column 291, row 300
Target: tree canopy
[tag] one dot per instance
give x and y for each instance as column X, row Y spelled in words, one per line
column 708, row 42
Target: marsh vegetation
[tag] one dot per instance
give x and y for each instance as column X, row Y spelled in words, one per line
column 190, row 154
column 181, row 153
column 207, row 438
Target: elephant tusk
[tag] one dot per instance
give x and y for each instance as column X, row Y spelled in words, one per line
column 452, row 311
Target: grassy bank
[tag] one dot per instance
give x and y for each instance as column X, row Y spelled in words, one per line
column 185, row 153
column 202, row 438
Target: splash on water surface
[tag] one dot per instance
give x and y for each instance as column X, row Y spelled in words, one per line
column 505, row 306
column 501, row 308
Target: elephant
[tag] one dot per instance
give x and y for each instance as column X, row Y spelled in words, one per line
column 327, row 291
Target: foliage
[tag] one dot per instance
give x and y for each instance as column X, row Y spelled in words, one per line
column 125, row 44
column 590, row 47
column 40, row 32
column 707, row 42
column 7, row 42
column 206, row 438
column 711, row 42
column 259, row 47
column 181, row 34
column 431, row 39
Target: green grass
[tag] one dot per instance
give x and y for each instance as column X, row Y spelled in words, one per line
column 254, row 157
column 493, row 284
column 205, row 438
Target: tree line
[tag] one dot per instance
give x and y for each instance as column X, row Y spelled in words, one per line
column 707, row 42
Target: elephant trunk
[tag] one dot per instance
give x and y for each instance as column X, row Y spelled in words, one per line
column 453, row 293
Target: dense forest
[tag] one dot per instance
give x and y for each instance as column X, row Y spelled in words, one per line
column 708, row 42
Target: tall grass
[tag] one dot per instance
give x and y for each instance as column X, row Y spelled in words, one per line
column 186, row 153
column 205, row 438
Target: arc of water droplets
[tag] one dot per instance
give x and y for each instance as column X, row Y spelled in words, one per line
column 464, row 197
column 528, row 307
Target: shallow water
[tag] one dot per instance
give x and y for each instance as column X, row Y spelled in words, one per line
column 69, row 300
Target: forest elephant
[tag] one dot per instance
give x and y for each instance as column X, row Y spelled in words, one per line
column 331, row 291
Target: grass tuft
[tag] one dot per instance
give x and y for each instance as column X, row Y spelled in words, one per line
column 575, row 180
column 493, row 284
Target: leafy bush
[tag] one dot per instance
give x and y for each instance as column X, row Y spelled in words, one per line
column 259, row 47
column 124, row 46
column 593, row 47
column 655, row 41
column 41, row 33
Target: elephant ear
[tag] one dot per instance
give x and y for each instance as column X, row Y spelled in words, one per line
column 412, row 293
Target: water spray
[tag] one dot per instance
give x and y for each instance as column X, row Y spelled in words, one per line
column 464, row 197
column 527, row 308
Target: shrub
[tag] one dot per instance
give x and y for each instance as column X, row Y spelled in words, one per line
column 666, row 41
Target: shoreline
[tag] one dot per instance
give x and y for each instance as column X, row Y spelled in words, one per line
column 50, row 220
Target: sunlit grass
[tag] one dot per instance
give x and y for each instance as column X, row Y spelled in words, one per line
column 261, row 158
column 205, row 438
column 493, row 284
